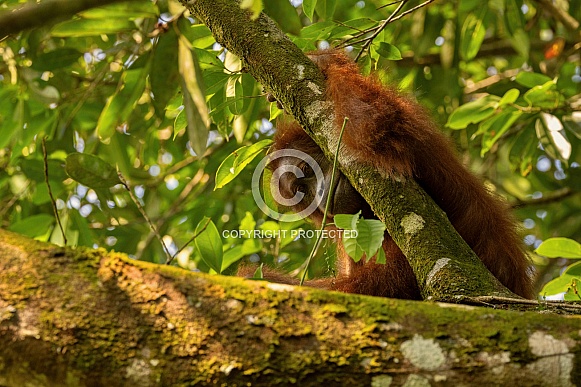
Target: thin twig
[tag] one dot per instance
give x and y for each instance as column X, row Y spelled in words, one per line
column 546, row 199
column 568, row 21
column 52, row 200
column 174, row 209
column 379, row 29
column 144, row 214
column 13, row 200
column 352, row 40
column 189, row 241
column 474, row 87
column 351, row 27
column 412, row 10
column 496, row 300
column 329, row 196
column 388, row 4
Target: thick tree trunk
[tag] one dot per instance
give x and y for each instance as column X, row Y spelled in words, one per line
column 91, row 318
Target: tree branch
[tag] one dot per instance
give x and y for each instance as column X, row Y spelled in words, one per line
column 568, row 21
column 87, row 317
column 34, row 14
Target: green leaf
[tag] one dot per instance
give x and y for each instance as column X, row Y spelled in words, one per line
column 493, row 128
column 254, row 6
column 237, row 161
column 309, row 8
column 509, row 97
column 560, row 284
column 180, row 123
column 195, row 32
column 215, row 81
column 231, row 256
column 473, row 112
column 553, row 142
column 239, row 92
column 465, row 6
column 573, row 291
column 125, row 10
column 574, row 270
column 91, row 171
column 389, row 51
column 318, row 31
column 369, row 238
column 559, row 248
column 194, row 98
column 121, row 104
column 531, row 80
column 521, row 42
column 41, row 194
column 353, row 249
column 370, row 235
column 523, row 150
column 33, row 226
column 247, row 224
column 274, row 112
column 284, row 14
column 346, row 221
column 236, row 104
column 513, row 16
column 572, row 124
column 567, row 82
column 258, row 273
column 380, row 258
column 251, row 246
column 545, row 96
column 164, row 75
column 351, row 26
column 34, row 169
column 326, row 8
column 473, row 32
column 92, row 27
column 210, row 59
column 56, row 59
column 209, row 244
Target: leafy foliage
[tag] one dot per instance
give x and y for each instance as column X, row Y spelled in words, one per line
column 142, row 89
column 570, row 280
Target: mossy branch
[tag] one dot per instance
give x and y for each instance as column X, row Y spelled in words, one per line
column 83, row 317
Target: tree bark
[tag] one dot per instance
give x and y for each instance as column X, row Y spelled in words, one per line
column 444, row 265
column 81, row 317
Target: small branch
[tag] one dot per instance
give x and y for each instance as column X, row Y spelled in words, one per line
column 568, row 21
column 425, row 3
column 491, row 301
column 171, row 211
column 488, row 49
column 144, row 214
column 327, row 204
column 546, row 199
column 52, row 200
column 13, row 200
column 35, row 14
column 353, row 40
column 380, row 28
column 189, row 241
column 474, row 87
column 388, row 4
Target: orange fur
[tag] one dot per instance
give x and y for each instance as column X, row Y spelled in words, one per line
column 396, row 135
